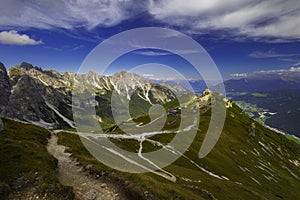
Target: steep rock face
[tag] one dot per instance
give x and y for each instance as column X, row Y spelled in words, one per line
column 5, row 88
column 34, row 102
column 24, row 100
column 39, row 97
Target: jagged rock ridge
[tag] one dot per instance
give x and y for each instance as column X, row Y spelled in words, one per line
column 44, row 97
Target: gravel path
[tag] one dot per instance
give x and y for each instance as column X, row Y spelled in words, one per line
column 84, row 186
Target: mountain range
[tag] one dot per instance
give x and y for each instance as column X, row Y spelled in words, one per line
column 43, row 97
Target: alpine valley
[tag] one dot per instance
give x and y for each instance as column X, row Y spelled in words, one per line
column 271, row 98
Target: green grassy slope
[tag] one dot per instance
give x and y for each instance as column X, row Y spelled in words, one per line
column 25, row 164
column 265, row 166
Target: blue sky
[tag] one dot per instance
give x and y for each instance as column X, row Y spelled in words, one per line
column 240, row 36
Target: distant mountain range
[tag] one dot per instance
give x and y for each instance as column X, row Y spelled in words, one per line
column 197, row 85
column 272, row 97
column 275, row 92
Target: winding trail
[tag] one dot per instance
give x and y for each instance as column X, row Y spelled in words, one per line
column 141, row 137
column 71, row 174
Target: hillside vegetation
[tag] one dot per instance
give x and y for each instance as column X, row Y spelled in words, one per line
column 26, row 168
column 264, row 166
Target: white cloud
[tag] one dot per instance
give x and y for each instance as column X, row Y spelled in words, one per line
column 239, row 75
column 14, row 38
column 279, row 71
column 250, row 18
column 148, row 75
column 161, row 53
column 295, row 69
column 296, row 64
column 286, row 27
column 78, row 47
column 177, row 8
column 289, row 60
column 152, row 53
column 270, row 20
column 271, row 54
column 66, row 14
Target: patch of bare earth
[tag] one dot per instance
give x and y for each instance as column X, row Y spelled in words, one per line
column 72, row 174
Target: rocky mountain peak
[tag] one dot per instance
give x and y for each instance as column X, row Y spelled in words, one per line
column 47, row 77
column 120, row 74
column 2, row 68
column 123, row 72
column 26, row 65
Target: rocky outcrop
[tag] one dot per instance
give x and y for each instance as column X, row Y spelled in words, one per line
column 5, row 88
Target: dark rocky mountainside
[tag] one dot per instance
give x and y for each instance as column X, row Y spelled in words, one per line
column 4, row 87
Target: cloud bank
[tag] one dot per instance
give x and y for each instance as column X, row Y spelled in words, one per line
column 256, row 19
column 67, row 14
column 251, row 18
column 14, row 38
column 279, row 71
